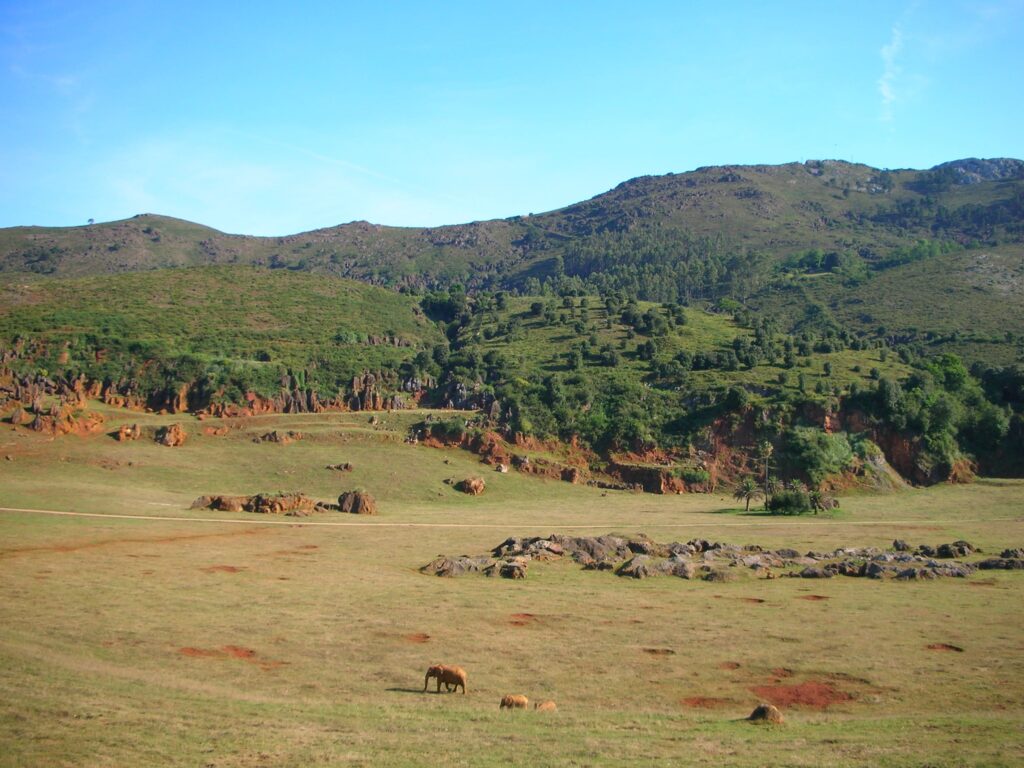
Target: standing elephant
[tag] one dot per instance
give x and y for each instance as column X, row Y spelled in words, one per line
column 452, row 677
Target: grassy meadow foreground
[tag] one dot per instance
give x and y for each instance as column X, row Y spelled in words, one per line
column 216, row 639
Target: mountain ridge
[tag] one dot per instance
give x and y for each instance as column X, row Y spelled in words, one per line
column 777, row 208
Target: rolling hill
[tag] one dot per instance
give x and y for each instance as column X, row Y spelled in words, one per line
column 700, row 312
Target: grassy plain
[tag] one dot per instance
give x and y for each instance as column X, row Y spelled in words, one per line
column 234, row 640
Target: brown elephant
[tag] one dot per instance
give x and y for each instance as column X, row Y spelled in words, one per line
column 513, row 701
column 546, row 706
column 452, row 677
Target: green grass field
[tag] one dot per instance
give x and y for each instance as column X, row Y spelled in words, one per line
column 213, row 639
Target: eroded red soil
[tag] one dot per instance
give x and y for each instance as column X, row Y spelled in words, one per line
column 239, row 652
column 945, row 647
column 814, row 694
column 78, row 546
column 707, row 702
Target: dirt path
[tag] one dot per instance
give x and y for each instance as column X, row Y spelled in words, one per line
column 503, row 526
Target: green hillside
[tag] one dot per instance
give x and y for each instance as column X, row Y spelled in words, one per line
column 873, row 247
column 731, row 305
column 244, row 327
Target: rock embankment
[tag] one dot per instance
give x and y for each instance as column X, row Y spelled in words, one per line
column 641, row 558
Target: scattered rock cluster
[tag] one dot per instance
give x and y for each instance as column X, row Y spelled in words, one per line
column 641, row 558
column 343, row 467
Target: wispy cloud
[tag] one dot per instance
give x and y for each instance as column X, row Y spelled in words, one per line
column 890, row 71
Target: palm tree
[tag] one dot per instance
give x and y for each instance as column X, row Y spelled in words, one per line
column 747, row 490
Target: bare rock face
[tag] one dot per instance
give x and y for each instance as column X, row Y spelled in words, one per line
column 766, row 713
column 128, row 432
column 357, row 503
column 172, row 436
column 474, row 486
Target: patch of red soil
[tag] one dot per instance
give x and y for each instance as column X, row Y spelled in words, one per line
column 752, row 600
column 222, row 569
column 945, row 647
column 418, row 637
column 200, row 653
column 813, row 693
column 729, row 665
column 239, row 652
column 106, row 542
column 813, row 597
column 521, row 619
column 232, row 652
column 782, row 672
column 706, row 702
column 308, row 546
column 659, row 651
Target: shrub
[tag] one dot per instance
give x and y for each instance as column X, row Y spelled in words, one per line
column 790, row 501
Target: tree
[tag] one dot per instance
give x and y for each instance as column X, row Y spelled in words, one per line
column 764, row 453
column 747, row 490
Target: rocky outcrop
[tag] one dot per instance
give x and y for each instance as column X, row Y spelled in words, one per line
column 289, row 504
column 456, row 566
column 60, row 419
column 473, row 486
column 766, row 713
column 128, row 432
column 357, row 503
column 173, row 435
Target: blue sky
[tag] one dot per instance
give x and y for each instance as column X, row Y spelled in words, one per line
column 259, row 120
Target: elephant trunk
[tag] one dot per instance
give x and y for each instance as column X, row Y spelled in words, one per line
column 426, row 680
